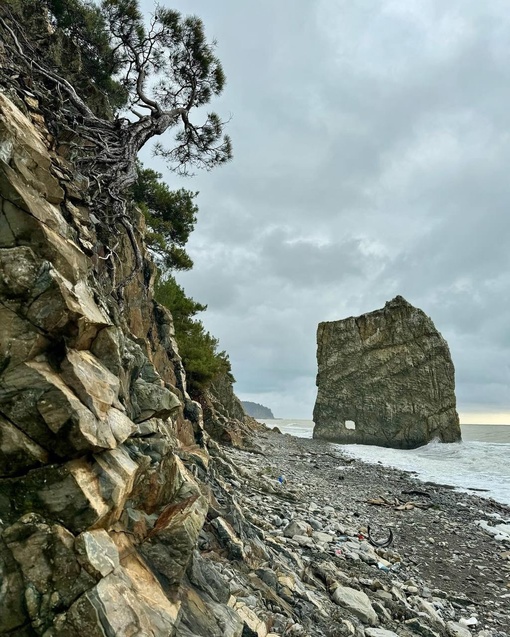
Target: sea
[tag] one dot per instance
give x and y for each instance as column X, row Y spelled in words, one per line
column 480, row 464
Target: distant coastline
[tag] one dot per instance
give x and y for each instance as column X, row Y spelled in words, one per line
column 255, row 410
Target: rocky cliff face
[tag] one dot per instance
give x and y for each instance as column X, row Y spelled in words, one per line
column 385, row 378
column 101, row 448
column 224, row 416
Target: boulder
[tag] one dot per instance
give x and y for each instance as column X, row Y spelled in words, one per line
column 357, row 602
column 385, row 378
column 297, row 527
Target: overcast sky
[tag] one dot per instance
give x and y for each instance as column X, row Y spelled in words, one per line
column 371, row 158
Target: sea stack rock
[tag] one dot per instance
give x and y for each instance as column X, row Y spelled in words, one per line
column 385, row 378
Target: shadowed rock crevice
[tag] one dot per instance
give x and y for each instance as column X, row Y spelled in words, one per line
column 390, row 372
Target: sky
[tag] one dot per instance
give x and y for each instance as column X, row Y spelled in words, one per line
column 371, row 158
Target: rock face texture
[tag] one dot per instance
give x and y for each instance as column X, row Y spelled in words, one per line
column 105, row 483
column 385, row 378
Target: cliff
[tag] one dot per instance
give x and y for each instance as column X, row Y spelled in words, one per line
column 105, row 464
column 120, row 515
column 224, row 416
column 257, row 411
column 385, row 378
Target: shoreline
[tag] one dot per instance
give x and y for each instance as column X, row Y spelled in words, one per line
column 443, row 575
column 435, row 462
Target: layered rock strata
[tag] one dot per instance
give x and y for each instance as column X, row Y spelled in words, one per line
column 101, row 447
column 385, row 378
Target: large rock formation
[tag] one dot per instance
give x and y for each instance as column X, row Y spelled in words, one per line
column 104, row 458
column 385, row 378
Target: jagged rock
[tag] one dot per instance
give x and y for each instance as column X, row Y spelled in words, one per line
column 256, row 626
column 79, row 494
column 36, row 399
column 22, row 145
column 94, row 385
column 53, row 577
column 170, row 544
column 97, row 553
column 18, row 452
column 229, row 538
column 223, row 414
column 204, row 576
column 106, row 347
column 385, row 378
column 297, row 527
column 357, row 602
column 14, row 615
column 204, row 617
column 20, row 339
column 153, row 401
column 121, row 604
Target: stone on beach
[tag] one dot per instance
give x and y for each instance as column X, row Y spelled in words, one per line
column 297, row 527
column 357, row 602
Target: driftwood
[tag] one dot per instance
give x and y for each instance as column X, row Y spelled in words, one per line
column 399, row 505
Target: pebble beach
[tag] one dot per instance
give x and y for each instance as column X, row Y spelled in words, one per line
column 446, row 571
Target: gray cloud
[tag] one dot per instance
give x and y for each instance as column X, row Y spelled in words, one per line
column 371, row 158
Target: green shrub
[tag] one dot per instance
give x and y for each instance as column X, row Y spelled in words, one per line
column 171, row 216
column 198, row 349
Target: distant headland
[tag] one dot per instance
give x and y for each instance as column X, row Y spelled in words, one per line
column 257, row 411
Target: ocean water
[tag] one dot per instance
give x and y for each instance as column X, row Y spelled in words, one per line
column 479, row 464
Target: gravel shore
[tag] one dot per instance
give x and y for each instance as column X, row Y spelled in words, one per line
column 446, row 572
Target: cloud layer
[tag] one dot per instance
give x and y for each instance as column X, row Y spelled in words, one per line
column 372, row 149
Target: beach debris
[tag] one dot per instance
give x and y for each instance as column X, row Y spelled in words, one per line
column 382, row 544
column 383, row 567
column 425, row 494
column 397, row 504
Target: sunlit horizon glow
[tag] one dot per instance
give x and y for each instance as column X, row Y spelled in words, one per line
column 466, row 418
column 484, row 418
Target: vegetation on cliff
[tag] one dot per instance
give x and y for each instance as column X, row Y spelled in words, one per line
column 168, row 71
column 198, row 349
column 170, row 215
column 95, row 65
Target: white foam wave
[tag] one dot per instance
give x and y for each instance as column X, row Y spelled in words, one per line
column 472, row 466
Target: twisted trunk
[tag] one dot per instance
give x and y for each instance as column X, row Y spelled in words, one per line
column 104, row 151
